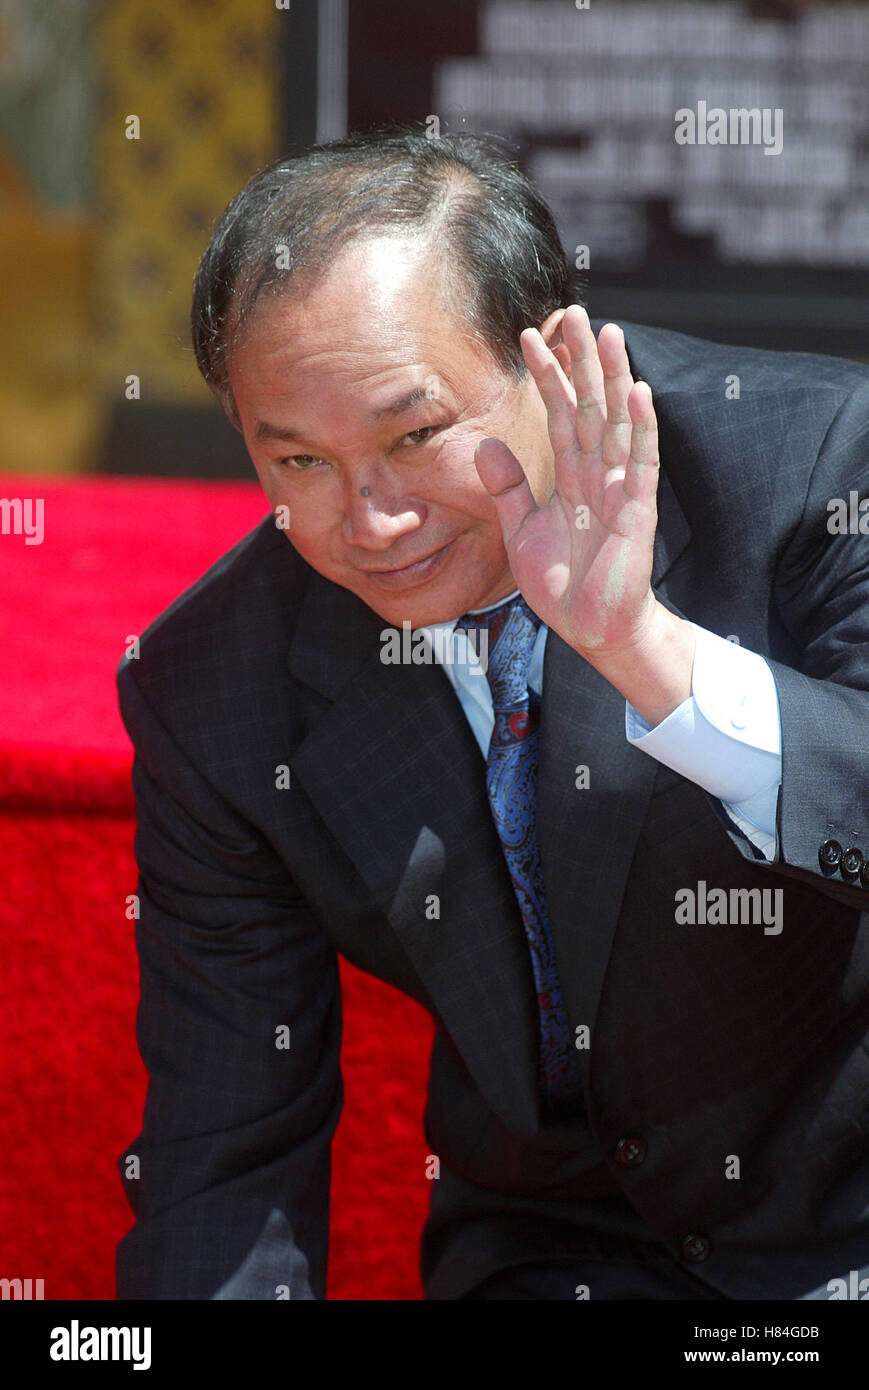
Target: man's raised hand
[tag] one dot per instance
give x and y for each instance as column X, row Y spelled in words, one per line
column 583, row 557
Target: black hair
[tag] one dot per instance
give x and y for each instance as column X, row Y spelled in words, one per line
column 499, row 250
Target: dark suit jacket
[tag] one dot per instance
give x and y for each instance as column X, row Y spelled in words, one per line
column 708, row 1042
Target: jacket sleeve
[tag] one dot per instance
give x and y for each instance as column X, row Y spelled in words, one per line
column 821, row 594
column 239, row 1027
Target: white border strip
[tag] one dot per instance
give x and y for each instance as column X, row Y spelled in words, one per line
column 331, row 69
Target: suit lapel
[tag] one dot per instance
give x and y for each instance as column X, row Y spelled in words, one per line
column 587, row 834
column 393, row 769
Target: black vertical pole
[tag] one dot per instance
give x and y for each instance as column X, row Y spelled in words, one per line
column 298, row 74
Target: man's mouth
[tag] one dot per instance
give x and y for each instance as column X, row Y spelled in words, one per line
column 417, row 572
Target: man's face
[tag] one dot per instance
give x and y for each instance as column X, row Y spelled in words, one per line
column 368, row 382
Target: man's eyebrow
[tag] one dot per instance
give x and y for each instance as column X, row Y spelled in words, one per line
column 403, row 403
column 417, row 396
column 266, row 431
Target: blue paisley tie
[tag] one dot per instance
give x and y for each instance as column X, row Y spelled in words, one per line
column 511, row 784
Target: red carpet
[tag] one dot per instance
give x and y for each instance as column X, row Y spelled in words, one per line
column 114, row 554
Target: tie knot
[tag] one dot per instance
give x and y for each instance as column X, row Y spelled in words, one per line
column 511, row 631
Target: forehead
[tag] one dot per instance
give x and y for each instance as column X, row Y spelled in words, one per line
column 385, row 302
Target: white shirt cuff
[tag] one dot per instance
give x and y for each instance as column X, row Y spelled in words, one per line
column 726, row 736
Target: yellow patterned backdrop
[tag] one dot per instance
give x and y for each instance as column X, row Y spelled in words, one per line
column 202, row 78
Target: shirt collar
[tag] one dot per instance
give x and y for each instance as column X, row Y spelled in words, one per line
column 445, row 653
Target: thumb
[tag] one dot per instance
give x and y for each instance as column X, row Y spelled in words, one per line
column 503, row 477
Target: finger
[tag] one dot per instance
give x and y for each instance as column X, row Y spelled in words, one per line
column 617, row 382
column 556, row 391
column 587, row 377
column 503, row 477
column 643, row 467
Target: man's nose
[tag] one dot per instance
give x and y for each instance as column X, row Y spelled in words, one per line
column 377, row 510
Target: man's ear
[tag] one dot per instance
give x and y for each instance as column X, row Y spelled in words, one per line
column 550, row 331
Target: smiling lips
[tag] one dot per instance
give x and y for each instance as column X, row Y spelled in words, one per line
column 409, row 575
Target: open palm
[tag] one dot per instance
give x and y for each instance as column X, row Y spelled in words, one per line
column 583, row 559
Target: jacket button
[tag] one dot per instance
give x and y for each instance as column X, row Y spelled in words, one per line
column 630, row 1151
column 696, row 1248
column 852, row 863
column 830, row 855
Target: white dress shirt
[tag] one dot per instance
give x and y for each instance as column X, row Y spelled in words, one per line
column 726, row 736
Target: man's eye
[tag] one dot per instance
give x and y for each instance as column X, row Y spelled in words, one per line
column 301, row 462
column 421, row 435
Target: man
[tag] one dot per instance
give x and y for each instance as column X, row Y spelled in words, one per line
column 619, row 858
